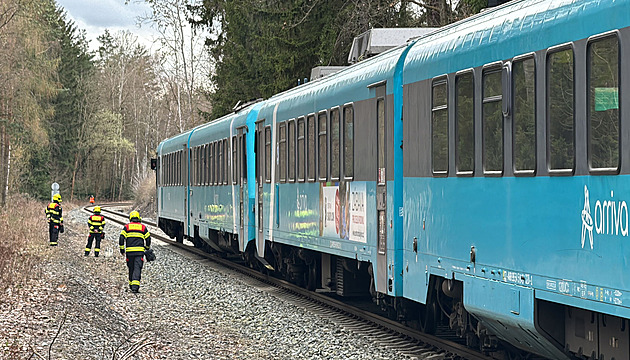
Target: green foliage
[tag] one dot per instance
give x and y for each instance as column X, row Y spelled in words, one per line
column 262, row 48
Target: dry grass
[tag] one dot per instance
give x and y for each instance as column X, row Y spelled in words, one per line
column 24, row 235
column 145, row 201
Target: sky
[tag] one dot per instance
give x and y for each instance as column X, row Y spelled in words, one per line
column 94, row 16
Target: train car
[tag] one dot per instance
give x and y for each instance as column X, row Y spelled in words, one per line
column 308, row 180
column 516, row 165
column 474, row 177
column 203, row 177
column 172, row 183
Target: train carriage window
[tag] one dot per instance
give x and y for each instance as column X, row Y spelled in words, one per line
column 192, row 162
column 165, row 170
column 560, row 111
column 226, row 162
column 181, row 168
column 208, row 174
column 213, row 169
column 197, row 155
column 301, row 142
column 217, row 162
column 197, row 164
column 282, row 153
column 211, row 164
column 202, row 159
column 348, row 142
column 310, row 147
column 268, row 154
column 220, row 163
column 202, row 165
column 492, row 120
column 322, row 147
column 335, row 138
column 291, row 149
column 243, row 159
column 524, row 117
column 603, row 105
column 234, row 162
column 464, row 125
column 439, row 127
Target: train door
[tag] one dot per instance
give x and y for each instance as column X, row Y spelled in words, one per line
column 241, row 178
column 381, row 190
column 260, row 163
column 188, row 173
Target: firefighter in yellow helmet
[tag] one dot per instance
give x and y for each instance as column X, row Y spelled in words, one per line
column 54, row 215
column 134, row 239
column 96, row 223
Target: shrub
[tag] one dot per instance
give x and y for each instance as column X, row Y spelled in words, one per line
column 24, row 234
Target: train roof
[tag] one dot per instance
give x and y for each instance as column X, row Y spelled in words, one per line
column 174, row 143
column 509, row 30
column 350, row 83
column 199, row 134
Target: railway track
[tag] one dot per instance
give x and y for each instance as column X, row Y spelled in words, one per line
column 374, row 327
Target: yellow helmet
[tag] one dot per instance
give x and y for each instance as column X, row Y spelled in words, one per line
column 134, row 215
column 97, row 209
column 57, row 197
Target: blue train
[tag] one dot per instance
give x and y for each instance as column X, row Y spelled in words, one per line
column 476, row 176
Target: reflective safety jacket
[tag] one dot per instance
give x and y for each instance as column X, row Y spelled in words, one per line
column 54, row 214
column 134, row 238
column 96, row 223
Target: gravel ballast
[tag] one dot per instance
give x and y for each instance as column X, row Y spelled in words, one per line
column 80, row 307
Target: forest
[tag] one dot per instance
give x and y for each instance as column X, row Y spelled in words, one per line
column 92, row 120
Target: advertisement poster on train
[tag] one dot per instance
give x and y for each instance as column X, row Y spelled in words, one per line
column 330, row 202
column 357, row 212
column 343, row 211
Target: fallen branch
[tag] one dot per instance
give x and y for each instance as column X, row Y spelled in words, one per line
column 137, row 347
column 63, row 321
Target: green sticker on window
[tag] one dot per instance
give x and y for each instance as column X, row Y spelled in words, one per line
column 606, row 99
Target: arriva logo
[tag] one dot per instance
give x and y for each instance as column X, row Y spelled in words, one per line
column 609, row 218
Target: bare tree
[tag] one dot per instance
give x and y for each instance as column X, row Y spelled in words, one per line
column 186, row 65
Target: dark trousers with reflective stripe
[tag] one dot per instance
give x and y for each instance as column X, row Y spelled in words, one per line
column 53, row 232
column 97, row 247
column 134, row 263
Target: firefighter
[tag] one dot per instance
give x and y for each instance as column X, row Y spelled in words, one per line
column 96, row 223
column 54, row 215
column 134, row 240
column 91, row 199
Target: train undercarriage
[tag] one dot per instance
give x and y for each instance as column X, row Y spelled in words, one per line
column 579, row 333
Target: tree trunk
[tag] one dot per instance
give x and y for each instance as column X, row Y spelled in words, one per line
column 5, row 193
column 122, row 178
column 74, row 174
column 3, row 160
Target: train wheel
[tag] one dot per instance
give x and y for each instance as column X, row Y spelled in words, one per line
column 311, row 283
column 427, row 318
column 180, row 235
